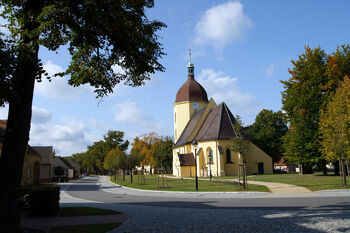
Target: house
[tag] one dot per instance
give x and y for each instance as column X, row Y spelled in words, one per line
column 76, row 167
column 211, row 126
column 283, row 165
column 67, row 167
column 31, row 162
column 46, row 162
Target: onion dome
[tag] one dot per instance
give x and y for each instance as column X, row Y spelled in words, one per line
column 191, row 90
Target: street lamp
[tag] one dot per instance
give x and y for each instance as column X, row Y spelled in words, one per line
column 195, row 146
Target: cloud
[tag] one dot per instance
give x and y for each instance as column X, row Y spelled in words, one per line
column 270, row 70
column 222, row 24
column 58, row 88
column 138, row 120
column 40, row 115
column 223, row 88
column 66, row 138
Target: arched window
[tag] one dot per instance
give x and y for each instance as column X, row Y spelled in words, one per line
column 228, row 156
column 210, row 156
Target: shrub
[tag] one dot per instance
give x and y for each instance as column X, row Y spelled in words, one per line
column 40, row 200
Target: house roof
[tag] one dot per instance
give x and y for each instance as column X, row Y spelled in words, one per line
column 66, row 162
column 74, row 164
column 186, row 159
column 281, row 162
column 191, row 90
column 45, row 153
column 32, row 151
column 190, row 127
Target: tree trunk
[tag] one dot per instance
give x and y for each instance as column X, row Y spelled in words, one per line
column 18, row 122
column 336, row 168
column 307, row 169
column 343, row 171
column 130, row 176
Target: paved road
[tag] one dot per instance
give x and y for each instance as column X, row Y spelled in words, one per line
column 214, row 212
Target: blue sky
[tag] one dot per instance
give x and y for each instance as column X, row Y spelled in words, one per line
column 241, row 49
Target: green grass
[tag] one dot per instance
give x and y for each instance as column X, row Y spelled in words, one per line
column 84, row 211
column 313, row 182
column 91, row 228
column 187, row 185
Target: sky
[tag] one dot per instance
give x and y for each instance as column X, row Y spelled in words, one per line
column 240, row 50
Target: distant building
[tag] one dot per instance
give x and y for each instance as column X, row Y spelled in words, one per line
column 211, row 125
column 67, row 167
column 283, row 165
column 46, row 162
column 75, row 166
column 31, row 162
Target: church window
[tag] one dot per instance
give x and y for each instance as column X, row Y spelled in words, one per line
column 210, row 156
column 228, row 156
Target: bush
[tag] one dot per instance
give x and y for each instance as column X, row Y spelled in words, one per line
column 40, row 200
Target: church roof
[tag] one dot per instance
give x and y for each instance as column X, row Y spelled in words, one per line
column 190, row 127
column 217, row 125
column 191, row 90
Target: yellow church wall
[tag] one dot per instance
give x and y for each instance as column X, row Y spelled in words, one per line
column 182, row 114
column 188, row 171
column 254, row 156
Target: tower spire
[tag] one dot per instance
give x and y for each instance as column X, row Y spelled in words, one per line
column 190, row 67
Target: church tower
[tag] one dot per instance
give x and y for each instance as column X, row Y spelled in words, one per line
column 190, row 97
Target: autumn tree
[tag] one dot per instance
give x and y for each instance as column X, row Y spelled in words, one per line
column 335, row 127
column 267, row 131
column 99, row 36
column 314, row 77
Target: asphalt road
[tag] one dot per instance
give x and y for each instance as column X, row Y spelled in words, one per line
column 213, row 212
column 90, row 189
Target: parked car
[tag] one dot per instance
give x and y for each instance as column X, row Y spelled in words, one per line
column 279, row 171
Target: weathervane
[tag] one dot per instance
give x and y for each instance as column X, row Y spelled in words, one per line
column 190, row 54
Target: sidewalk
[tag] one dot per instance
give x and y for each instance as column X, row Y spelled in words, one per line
column 46, row 223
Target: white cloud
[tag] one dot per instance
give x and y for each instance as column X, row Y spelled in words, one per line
column 58, row 88
column 223, row 88
column 40, row 115
column 66, row 138
column 270, row 70
column 222, row 24
column 129, row 113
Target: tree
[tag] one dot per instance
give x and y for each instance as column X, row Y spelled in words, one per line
column 315, row 76
column 335, row 126
column 99, row 34
column 115, row 138
column 240, row 145
column 267, row 131
column 163, row 152
column 110, row 162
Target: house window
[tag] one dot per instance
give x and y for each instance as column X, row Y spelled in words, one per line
column 228, row 156
column 29, row 173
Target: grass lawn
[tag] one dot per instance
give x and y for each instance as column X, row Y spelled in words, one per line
column 187, row 185
column 84, row 211
column 91, row 228
column 314, row 182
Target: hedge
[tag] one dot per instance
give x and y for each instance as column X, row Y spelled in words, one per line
column 40, row 200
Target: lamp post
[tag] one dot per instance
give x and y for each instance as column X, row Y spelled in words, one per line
column 210, row 161
column 195, row 146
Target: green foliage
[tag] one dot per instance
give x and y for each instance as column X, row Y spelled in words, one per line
column 239, row 143
column 59, row 171
column 163, row 152
column 40, row 200
column 99, row 35
column 335, row 124
column 267, row 131
column 315, row 76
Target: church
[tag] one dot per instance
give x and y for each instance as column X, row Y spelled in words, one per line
column 207, row 128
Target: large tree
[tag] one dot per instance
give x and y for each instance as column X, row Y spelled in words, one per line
column 163, row 153
column 335, row 126
column 99, row 35
column 267, row 131
column 314, row 77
